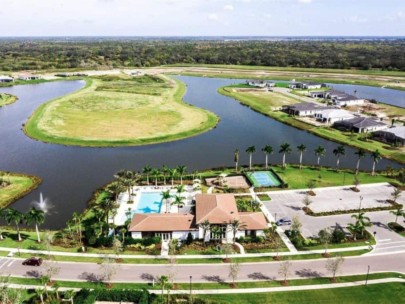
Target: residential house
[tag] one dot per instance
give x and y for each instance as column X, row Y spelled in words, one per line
column 318, row 94
column 361, row 125
column 394, row 135
column 4, row 78
column 304, row 109
column 28, row 76
column 312, row 85
column 218, row 209
column 341, row 99
column 261, row 83
column 295, row 85
column 330, row 116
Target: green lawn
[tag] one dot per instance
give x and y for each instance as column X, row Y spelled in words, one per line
column 6, row 99
column 18, row 186
column 377, row 294
column 120, row 111
column 266, row 107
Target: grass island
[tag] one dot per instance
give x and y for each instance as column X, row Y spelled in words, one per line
column 6, row 99
column 14, row 186
column 120, row 111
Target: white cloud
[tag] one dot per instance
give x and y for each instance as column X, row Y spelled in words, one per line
column 305, row 1
column 357, row 19
column 212, row 16
column 228, row 7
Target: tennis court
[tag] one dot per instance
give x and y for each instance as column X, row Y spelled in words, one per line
column 263, row 179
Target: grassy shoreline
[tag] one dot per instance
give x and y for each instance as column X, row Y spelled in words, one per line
column 327, row 133
column 210, row 121
column 21, row 185
column 6, row 99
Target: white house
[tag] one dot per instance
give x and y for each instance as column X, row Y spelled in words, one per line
column 304, row 109
column 216, row 209
column 261, row 83
column 4, row 78
column 312, row 85
column 28, row 76
column 340, row 99
column 330, row 116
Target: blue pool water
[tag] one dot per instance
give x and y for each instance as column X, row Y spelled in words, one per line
column 149, row 202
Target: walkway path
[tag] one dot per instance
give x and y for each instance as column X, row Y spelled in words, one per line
column 165, row 248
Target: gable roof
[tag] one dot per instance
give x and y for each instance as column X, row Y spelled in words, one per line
column 253, row 220
column 216, row 208
column 142, row 222
column 362, row 122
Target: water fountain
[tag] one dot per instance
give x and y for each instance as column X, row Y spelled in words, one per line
column 43, row 204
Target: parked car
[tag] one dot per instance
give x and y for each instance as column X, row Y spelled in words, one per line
column 33, row 261
column 283, row 221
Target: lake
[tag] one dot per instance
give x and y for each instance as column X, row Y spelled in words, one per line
column 71, row 174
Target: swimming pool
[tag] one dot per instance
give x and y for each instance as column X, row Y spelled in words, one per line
column 149, row 202
column 264, row 179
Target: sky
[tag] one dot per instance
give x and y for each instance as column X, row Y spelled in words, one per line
column 202, row 17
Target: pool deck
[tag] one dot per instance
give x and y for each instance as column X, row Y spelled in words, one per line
column 121, row 215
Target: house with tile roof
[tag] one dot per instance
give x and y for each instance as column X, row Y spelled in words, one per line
column 219, row 210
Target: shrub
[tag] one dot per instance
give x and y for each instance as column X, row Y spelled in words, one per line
column 338, row 236
column 189, row 239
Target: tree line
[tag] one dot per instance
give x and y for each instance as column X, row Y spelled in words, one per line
column 26, row 54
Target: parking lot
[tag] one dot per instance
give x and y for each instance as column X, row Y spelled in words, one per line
column 289, row 204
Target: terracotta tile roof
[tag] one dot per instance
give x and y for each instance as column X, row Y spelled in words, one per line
column 253, row 220
column 162, row 222
column 216, row 208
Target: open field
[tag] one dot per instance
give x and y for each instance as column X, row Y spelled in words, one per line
column 6, row 99
column 264, row 106
column 120, row 111
column 378, row 293
column 18, row 185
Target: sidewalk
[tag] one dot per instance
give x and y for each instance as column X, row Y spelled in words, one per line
column 245, row 290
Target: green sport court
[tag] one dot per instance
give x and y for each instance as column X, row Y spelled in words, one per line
column 264, row 179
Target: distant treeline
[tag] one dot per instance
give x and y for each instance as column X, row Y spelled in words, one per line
column 43, row 54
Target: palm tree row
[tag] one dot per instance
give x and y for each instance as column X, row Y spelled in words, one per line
column 33, row 216
column 319, row 152
column 178, row 199
column 164, row 172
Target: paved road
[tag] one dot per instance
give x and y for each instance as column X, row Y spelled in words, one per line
column 209, row 272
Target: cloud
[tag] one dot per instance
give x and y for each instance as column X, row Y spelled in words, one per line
column 212, row 16
column 228, row 7
column 357, row 19
column 305, row 1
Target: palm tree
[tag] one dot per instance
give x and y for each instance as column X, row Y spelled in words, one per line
column 216, row 231
column 37, row 217
column 155, row 173
column 178, row 201
column 362, row 221
column 396, row 194
column 235, row 226
column 284, row 149
column 164, row 171
column 338, row 152
column 77, row 218
column 181, row 169
column 172, row 174
column 354, row 228
column 250, row 150
column 267, row 150
column 115, row 188
column 376, row 156
column 360, row 154
column 16, row 217
column 166, row 198
column 163, row 281
column 205, row 226
column 301, row 148
column 127, row 183
column 106, row 206
column 319, row 152
column 236, row 159
column 147, row 170
column 398, row 212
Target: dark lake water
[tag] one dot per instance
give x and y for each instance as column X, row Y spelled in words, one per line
column 71, row 174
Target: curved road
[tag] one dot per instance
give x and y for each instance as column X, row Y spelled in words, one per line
column 210, row 272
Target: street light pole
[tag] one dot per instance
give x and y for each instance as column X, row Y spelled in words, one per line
column 361, row 199
column 368, row 271
column 191, row 300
